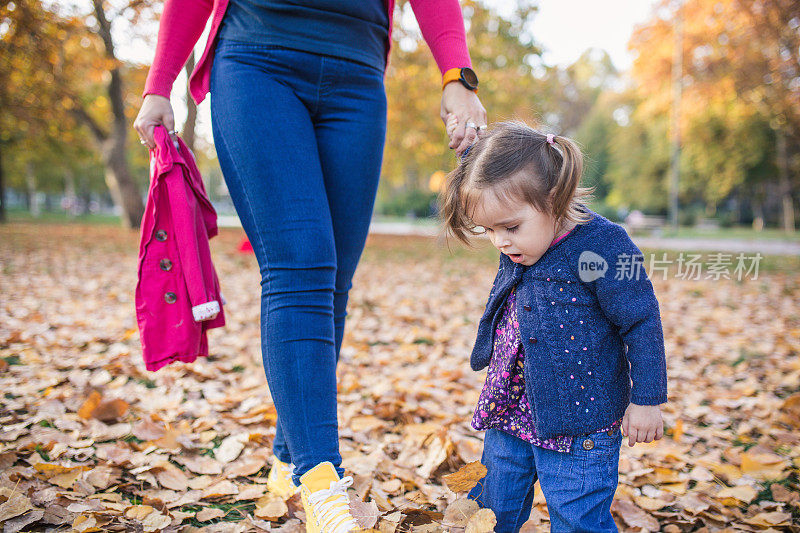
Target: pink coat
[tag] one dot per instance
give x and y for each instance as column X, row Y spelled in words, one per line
column 177, row 294
column 183, row 21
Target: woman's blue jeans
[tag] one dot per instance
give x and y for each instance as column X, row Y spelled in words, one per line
column 300, row 138
column 579, row 486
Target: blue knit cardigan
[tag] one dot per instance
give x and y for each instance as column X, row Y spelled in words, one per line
column 590, row 323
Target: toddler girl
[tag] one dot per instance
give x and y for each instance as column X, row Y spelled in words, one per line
column 571, row 319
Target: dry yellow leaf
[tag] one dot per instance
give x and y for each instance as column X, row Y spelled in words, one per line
column 365, row 513
column 466, row 477
column 85, row 523
column 775, row 518
column 762, row 464
column 209, row 513
column 460, row 511
column 650, row 504
column 634, row 516
column 15, row 505
column 138, row 512
column 740, row 493
column 89, row 405
column 156, row 522
column 271, row 507
column 482, row 521
column 173, row 478
column 67, row 479
column 392, row 486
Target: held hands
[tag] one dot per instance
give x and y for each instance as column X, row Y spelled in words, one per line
column 461, row 106
column 642, row 423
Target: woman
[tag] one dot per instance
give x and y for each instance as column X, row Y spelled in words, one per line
column 298, row 113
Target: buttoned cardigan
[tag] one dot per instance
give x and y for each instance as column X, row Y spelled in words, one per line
column 594, row 343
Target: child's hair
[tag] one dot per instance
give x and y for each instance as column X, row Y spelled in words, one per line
column 516, row 162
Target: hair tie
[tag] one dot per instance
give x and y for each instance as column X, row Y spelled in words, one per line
column 550, row 138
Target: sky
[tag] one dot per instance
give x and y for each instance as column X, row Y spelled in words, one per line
column 563, row 28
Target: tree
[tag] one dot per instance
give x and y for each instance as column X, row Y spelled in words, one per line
column 76, row 54
column 741, row 72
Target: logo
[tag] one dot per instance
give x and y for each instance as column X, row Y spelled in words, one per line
column 591, row 266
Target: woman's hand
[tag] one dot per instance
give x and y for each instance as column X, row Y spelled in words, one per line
column 642, row 423
column 465, row 106
column 155, row 110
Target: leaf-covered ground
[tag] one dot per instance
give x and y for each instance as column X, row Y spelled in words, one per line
column 91, row 441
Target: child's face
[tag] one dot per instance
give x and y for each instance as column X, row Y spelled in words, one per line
column 515, row 227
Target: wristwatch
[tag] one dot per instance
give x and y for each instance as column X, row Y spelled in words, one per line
column 465, row 75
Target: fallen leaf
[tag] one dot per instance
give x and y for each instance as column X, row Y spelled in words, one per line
column 15, row 505
column 633, row 516
column 89, row 405
column 271, row 507
column 209, row 513
column 482, row 521
column 731, row 496
column 459, row 512
column 230, row 448
column 85, row 524
column 17, row 523
column 775, row 518
column 466, row 477
column 365, row 513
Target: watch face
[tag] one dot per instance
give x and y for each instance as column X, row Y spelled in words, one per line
column 469, row 76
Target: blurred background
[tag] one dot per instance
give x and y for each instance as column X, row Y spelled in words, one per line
column 688, row 112
column 689, row 115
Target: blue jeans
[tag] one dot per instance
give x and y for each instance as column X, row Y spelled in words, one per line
column 300, row 138
column 578, row 486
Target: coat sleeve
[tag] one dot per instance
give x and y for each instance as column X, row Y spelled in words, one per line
column 182, row 23
column 442, row 26
column 626, row 296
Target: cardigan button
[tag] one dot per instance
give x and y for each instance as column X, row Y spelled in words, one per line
column 161, row 235
column 527, row 307
column 534, row 340
column 588, row 444
column 170, row 297
column 165, row 264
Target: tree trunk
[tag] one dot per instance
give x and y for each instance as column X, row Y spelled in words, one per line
column 3, row 218
column 784, row 183
column 758, row 208
column 33, row 197
column 118, row 177
column 191, row 110
column 70, row 199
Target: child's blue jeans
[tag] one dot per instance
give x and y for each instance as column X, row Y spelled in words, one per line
column 578, row 486
column 299, row 138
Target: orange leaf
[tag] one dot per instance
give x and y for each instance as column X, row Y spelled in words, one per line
column 466, row 477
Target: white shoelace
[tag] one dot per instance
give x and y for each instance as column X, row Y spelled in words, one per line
column 328, row 511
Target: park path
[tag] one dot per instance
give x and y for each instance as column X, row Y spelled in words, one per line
column 696, row 244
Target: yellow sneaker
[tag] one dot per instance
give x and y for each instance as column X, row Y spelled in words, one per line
column 279, row 480
column 325, row 500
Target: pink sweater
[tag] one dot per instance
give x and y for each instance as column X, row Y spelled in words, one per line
column 183, row 21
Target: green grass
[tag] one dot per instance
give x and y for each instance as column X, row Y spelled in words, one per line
column 741, row 232
column 60, row 217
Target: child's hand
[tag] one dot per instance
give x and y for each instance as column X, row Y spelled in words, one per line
column 642, row 423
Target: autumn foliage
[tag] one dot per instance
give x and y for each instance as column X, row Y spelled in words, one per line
column 92, row 441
